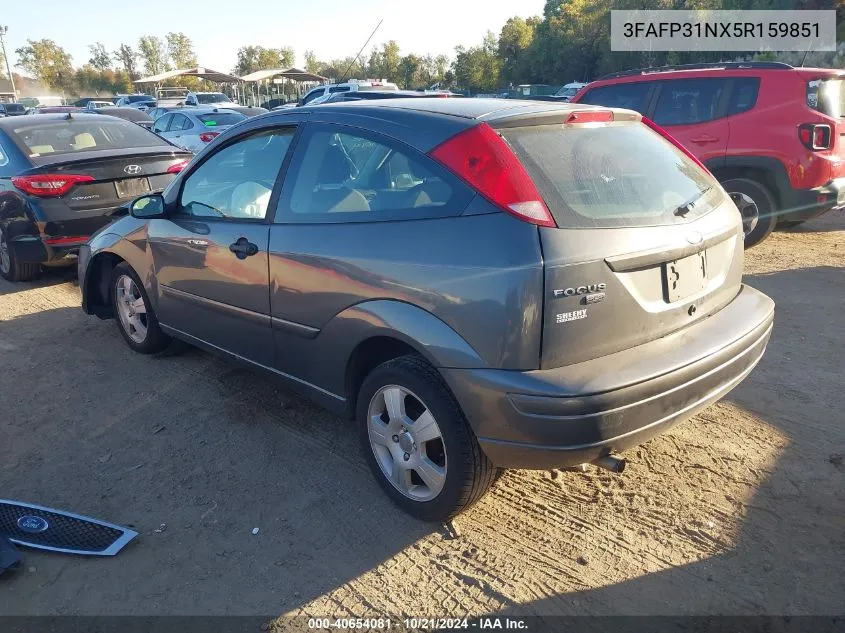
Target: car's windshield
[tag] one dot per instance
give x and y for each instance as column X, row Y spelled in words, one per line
column 66, row 137
column 621, row 174
column 14, row 107
column 212, row 97
column 136, row 98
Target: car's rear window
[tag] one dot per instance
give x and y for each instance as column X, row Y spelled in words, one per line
column 615, row 175
column 827, row 96
column 213, row 97
column 66, row 137
column 14, row 107
column 221, row 118
column 136, row 98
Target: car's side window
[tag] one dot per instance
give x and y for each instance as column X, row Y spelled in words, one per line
column 236, row 181
column 161, row 123
column 631, row 96
column 688, row 101
column 177, row 123
column 744, row 95
column 344, row 175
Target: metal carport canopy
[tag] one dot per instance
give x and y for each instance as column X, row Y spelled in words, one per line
column 289, row 73
column 203, row 73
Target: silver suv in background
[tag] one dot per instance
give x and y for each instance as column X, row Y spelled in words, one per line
column 208, row 99
column 480, row 284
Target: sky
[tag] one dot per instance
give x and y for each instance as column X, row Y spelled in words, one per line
column 331, row 28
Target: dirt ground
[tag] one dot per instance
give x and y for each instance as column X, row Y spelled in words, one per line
column 739, row 511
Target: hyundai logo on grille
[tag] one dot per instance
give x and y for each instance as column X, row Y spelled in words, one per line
column 32, row 524
column 132, row 169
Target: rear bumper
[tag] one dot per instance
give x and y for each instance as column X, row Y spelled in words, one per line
column 571, row 415
column 33, row 250
column 806, row 204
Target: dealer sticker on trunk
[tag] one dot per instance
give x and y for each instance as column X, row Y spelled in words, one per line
column 565, row 317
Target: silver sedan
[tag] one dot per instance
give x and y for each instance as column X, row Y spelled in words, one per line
column 194, row 128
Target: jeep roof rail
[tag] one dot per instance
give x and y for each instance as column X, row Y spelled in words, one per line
column 713, row 66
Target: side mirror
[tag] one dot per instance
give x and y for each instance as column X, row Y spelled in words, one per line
column 147, row 207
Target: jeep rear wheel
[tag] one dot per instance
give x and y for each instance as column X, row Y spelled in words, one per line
column 418, row 443
column 757, row 207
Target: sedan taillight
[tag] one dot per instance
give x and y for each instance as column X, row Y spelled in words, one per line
column 207, row 137
column 49, row 185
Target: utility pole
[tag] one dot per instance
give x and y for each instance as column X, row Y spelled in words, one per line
column 3, row 31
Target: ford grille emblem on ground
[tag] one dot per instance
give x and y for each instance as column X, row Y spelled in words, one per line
column 32, row 524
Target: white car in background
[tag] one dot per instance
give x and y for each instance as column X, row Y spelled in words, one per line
column 208, row 99
column 321, row 93
column 95, row 105
column 194, row 128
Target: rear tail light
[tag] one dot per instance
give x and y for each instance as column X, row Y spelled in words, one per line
column 49, row 185
column 483, row 159
column 207, row 137
column 175, row 168
column 674, row 142
column 815, row 136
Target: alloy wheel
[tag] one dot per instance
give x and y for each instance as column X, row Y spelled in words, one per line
column 747, row 209
column 131, row 308
column 407, row 442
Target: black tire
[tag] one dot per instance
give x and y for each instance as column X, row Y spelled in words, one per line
column 469, row 473
column 155, row 340
column 10, row 268
column 760, row 196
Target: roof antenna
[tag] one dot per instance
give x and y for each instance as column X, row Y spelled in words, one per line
column 69, row 117
column 355, row 59
column 805, row 54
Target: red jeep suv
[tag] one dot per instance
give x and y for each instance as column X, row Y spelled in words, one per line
column 772, row 134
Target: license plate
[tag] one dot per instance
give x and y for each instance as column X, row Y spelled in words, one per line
column 131, row 187
column 684, row 277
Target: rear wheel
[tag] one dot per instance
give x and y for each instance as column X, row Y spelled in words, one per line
column 11, row 268
column 756, row 206
column 136, row 319
column 417, row 442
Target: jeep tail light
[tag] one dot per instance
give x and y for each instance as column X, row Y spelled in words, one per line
column 49, row 185
column 482, row 158
column 674, row 142
column 207, row 137
column 815, row 136
column 175, row 168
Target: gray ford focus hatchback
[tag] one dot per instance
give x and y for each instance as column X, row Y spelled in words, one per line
column 481, row 284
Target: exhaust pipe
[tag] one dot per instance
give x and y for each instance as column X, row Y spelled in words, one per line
column 611, row 463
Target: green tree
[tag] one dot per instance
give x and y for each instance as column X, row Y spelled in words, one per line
column 181, row 50
column 384, row 63
column 312, row 64
column 127, row 58
column 515, row 49
column 100, row 58
column 477, row 68
column 409, row 68
column 252, row 58
column 47, row 61
column 153, row 53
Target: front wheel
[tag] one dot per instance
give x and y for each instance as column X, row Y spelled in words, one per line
column 757, row 207
column 136, row 319
column 418, row 443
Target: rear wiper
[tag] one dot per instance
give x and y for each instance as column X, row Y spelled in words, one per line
column 687, row 206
